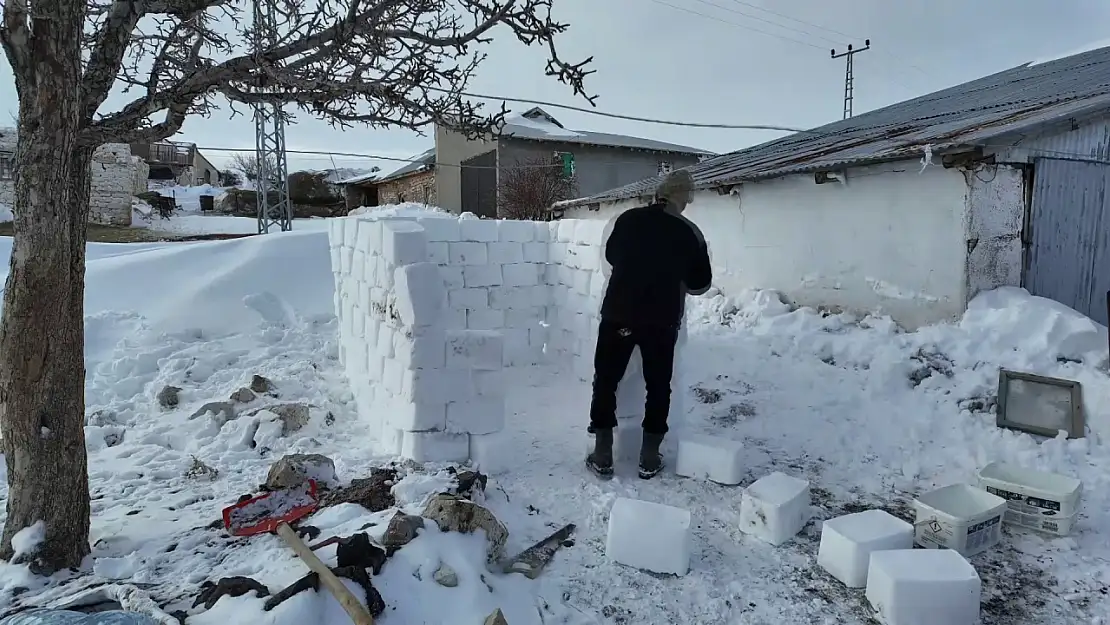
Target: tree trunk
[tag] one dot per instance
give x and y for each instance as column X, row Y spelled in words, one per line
column 42, row 366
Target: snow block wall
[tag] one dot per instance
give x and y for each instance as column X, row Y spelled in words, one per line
column 435, row 309
column 576, row 276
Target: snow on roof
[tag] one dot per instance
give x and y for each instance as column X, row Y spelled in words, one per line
column 538, row 125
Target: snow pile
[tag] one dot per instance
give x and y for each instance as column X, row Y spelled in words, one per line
column 28, row 540
column 405, row 209
column 1004, row 328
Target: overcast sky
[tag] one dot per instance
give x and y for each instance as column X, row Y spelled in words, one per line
column 658, row 61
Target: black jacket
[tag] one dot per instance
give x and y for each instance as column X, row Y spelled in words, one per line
column 656, row 258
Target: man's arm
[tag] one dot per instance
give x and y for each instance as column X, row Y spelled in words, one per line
column 615, row 242
column 699, row 272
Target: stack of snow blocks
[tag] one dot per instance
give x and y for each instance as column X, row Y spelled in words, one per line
column 649, row 536
column 848, row 541
column 775, row 508
column 434, row 310
column 428, row 383
column 923, row 587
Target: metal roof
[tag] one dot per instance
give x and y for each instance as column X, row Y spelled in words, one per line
column 537, row 124
column 981, row 113
column 420, row 162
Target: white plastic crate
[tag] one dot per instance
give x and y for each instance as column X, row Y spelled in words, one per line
column 1039, row 500
column 960, row 517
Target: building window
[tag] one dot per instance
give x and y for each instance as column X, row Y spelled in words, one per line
column 7, row 167
column 665, row 168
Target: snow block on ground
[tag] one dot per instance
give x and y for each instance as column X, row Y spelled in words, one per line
column 435, row 446
column 848, row 541
column 713, row 458
column 775, row 508
column 649, row 536
column 923, row 587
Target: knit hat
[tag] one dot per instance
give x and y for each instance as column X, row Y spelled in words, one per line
column 677, row 184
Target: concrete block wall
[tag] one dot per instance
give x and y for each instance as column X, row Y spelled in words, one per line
column 435, row 309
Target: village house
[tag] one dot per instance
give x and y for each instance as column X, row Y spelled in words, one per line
column 177, row 162
column 466, row 178
column 114, row 177
column 915, row 208
column 414, row 182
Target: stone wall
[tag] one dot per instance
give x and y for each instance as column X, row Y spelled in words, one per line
column 111, row 185
column 115, row 176
column 419, row 188
column 434, row 309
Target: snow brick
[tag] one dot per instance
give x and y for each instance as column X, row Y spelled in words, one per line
column 923, row 587
column 649, row 536
column 775, row 508
column 848, row 541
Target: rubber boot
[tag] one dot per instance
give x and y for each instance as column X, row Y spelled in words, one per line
column 651, row 459
column 600, row 461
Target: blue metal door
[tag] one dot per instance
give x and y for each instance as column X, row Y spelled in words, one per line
column 1069, row 253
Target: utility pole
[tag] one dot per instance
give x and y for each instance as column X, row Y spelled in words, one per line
column 272, row 183
column 849, row 78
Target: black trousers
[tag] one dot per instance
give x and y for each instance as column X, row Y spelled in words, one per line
column 615, row 343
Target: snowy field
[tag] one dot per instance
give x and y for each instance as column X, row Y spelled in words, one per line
column 870, row 415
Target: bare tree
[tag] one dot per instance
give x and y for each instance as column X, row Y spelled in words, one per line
column 529, row 188
column 247, row 164
column 381, row 63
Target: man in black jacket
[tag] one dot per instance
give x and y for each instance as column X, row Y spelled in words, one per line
column 657, row 256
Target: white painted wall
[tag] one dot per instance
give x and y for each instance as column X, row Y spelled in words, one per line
column 996, row 212
column 893, row 239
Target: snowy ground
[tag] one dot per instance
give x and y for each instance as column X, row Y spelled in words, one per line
column 832, row 398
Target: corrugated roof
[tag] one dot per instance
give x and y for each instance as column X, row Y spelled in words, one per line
column 976, row 113
column 419, row 162
column 538, row 125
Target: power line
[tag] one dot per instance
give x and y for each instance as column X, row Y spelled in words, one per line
column 778, row 36
column 760, row 19
column 737, row 24
column 378, row 157
column 648, row 120
column 830, row 30
column 794, row 19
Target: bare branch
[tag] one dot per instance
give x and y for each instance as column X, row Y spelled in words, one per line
column 399, row 63
column 15, row 36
